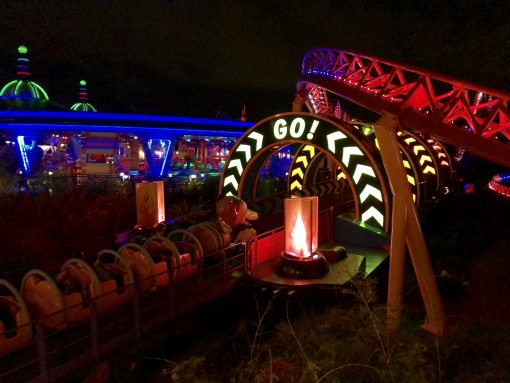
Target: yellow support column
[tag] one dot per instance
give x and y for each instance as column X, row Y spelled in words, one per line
column 406, row 228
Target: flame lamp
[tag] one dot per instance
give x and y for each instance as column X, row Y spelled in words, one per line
column 301, row 259
column 150, row 203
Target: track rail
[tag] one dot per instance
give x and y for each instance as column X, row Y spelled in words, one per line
column 468, row 116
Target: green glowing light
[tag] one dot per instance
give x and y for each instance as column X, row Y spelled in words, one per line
column 83, row 82
column 22, row 49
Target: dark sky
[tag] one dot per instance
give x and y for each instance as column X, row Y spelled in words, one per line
column 197, row 57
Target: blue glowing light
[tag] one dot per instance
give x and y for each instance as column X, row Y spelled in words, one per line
column 165, row 128
column 167, row 149
column 23, row 147
column 65, row 117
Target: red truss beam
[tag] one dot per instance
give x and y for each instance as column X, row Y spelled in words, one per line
column 463, row 115
column 318, row 99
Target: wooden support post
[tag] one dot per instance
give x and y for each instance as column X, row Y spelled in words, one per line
column 406, row 229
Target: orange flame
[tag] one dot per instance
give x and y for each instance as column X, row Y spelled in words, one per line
column 299, row 237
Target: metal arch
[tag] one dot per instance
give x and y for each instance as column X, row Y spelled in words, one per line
column 304, row 165
column 415, row 178
column 443, row 159
column 446, row 109
column 426, row 157
column 413, row 175
column 253, row 183
column 421, row 159
column 335, row 138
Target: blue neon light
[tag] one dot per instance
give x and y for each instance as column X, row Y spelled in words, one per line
column 23, row 152
column 166, row 144
column 124, row 117
column 163, row 132
column 166, row 156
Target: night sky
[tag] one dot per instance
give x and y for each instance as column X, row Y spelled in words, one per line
column 195, row 58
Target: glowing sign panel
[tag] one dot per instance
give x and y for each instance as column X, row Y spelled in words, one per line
column 296, row 129
column 240, row 171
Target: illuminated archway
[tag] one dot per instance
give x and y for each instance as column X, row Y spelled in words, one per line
column 333, row 138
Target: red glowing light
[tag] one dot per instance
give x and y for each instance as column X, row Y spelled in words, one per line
column 301, row 216
column 299, row 238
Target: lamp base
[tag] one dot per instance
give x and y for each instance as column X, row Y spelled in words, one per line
column 292, row 266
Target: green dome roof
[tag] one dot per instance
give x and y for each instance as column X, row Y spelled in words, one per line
column 23, row 87
column 83, row 107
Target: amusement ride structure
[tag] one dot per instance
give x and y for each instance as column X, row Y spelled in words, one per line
column 386, row 167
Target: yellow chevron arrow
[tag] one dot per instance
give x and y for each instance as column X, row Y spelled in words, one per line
column 311, row 149
column 424, row 159
column 296, row 185
column 429, row 170
column 417, row 149
column 302, row 159
column 297, row 171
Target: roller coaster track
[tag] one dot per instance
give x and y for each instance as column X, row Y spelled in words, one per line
column 467, row 116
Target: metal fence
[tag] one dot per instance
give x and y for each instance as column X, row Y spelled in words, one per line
column 52, row 354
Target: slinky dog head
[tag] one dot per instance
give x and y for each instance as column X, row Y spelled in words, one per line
column 234, row 212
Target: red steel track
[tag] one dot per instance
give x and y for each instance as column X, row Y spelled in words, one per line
column 463, row 115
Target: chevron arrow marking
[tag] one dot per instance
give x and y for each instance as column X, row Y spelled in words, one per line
column 332, row 137
column 231, row 179
column 311, row 149
column 297, row 171
column 258, row 137
column 372, row 212
column 411, row 180
column 418, row 149
column 350, row 151
column 409, row 140
column 429, row 170
column 246, row 149
column 296, row 185
column 424, row 159
column 360, row 170
column 302, row 159
column 370, row 191
column 236, row 163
